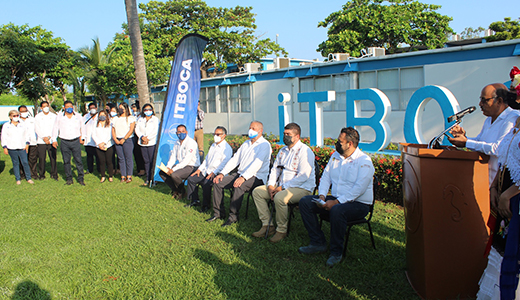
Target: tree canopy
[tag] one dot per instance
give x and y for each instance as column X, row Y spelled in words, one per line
column 384, row 23
column 506, row 30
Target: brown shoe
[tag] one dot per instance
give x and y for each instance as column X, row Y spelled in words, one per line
column 278, row 236
column 261, row 233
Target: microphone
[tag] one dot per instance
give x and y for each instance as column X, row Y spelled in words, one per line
column 458, row 116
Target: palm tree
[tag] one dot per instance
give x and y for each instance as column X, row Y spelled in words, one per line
column 134, row 31
column 96, row 60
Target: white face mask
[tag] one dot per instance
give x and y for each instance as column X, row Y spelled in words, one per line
column 252, row 134
column 16, row 119
column 24, row 115
column 113, row 114
column 217, row 138
column 93, row 111
column 46, row 109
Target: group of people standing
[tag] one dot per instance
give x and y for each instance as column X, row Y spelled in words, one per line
column 289, row 179
column 103, row 133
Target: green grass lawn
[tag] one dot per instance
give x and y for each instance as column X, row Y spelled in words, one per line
column 125, row 241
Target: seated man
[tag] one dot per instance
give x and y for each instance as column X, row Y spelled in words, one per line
column 218, row 155
column 252, row 159
column 291, row 178
column 501, row 118
column 350, row 172
column 183, row 161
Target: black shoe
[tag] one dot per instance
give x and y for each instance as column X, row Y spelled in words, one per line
column 81, row 183
column 193, row 203
column 212, row 219
column 41, row 178
column 69, row 182
column 204, row 209
column 227, row 223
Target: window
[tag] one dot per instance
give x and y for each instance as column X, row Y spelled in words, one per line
column 397, row 84
column 236, row 98
column 339, row 83
column 207, row 100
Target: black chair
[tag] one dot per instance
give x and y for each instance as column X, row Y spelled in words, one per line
column 365, row 220
column 292, row 206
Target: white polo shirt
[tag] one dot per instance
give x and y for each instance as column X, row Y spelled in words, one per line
column 185, row 154
column 43, row 124
column 218, row 156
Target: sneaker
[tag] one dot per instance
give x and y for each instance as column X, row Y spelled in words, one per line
column 261, row 233
column 311, row 249
column 333, row 260
column 278, row 236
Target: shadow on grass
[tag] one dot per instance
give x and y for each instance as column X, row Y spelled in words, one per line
column 28, row 290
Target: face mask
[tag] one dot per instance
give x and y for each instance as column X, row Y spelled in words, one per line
column 46, row 109
column 16, row 119
column 339, row 149
column 252, row 134
column 121, row 111
column 181, row 136
column 217, row 138
column 24, row 115
column 148, row 113
column 102, row 118
column 69, row 110
column 287, row 140
column 93, row 111
column 113, row 114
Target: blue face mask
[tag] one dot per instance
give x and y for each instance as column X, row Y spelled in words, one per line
column 181, row 136
column 148, row 113
column 69, row 110
column 102, row 118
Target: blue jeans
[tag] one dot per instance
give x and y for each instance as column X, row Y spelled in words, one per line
column 125, row 157
column 18, row 155
column 338, row 215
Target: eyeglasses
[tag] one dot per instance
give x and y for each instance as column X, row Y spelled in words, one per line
column 482, row 99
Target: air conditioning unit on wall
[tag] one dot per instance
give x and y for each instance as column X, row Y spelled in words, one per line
column 376, row 51
column 282, row 62
column 252, row 67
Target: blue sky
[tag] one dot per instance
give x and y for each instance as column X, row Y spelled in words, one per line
column 78, row 22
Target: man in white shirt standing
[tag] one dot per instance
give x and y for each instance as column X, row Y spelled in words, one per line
column 501, row 118
column 183, row 161
column 43, row 124
column 252, row 159
column 32, row 153
column 218, row 155
column 90, row 122
column 292, row 177
column 350, row 172
column 69, row 128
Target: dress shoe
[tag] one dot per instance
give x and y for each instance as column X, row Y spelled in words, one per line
column 278, row 236
column 193, row 203
column 261, row 233
column 55, row 178
column 227, row 223
column 311, row 249
column 41, row 178
column 213, row 218
column 69, row 182
column 204, row 209
column 81, row 183
column 333, row 260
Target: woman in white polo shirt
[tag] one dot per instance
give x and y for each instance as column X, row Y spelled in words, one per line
column 15, row 141
column 102, row 137
column 146, row 131
column 122, row 132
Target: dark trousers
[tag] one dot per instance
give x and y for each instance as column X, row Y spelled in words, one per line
column 138, row 155
column 174, row 181
column 105, row 160
column 32, row 159
column 193, row 189
column 91, row 155
column 124, row 155
column 17, row 156
column 72, row 148
column 148, row 152
column 236, row 199
column 43, row 150
column 338, row 216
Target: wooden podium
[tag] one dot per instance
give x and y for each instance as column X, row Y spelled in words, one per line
column 446, row 200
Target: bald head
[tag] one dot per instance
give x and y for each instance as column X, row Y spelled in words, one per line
column 257, row 126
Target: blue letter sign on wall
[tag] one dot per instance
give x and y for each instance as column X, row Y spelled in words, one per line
column 283, row 113
column 316, row 100
column 413, row 116
column 377, row 121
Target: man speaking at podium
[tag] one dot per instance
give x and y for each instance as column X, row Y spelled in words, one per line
column 501, row 118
